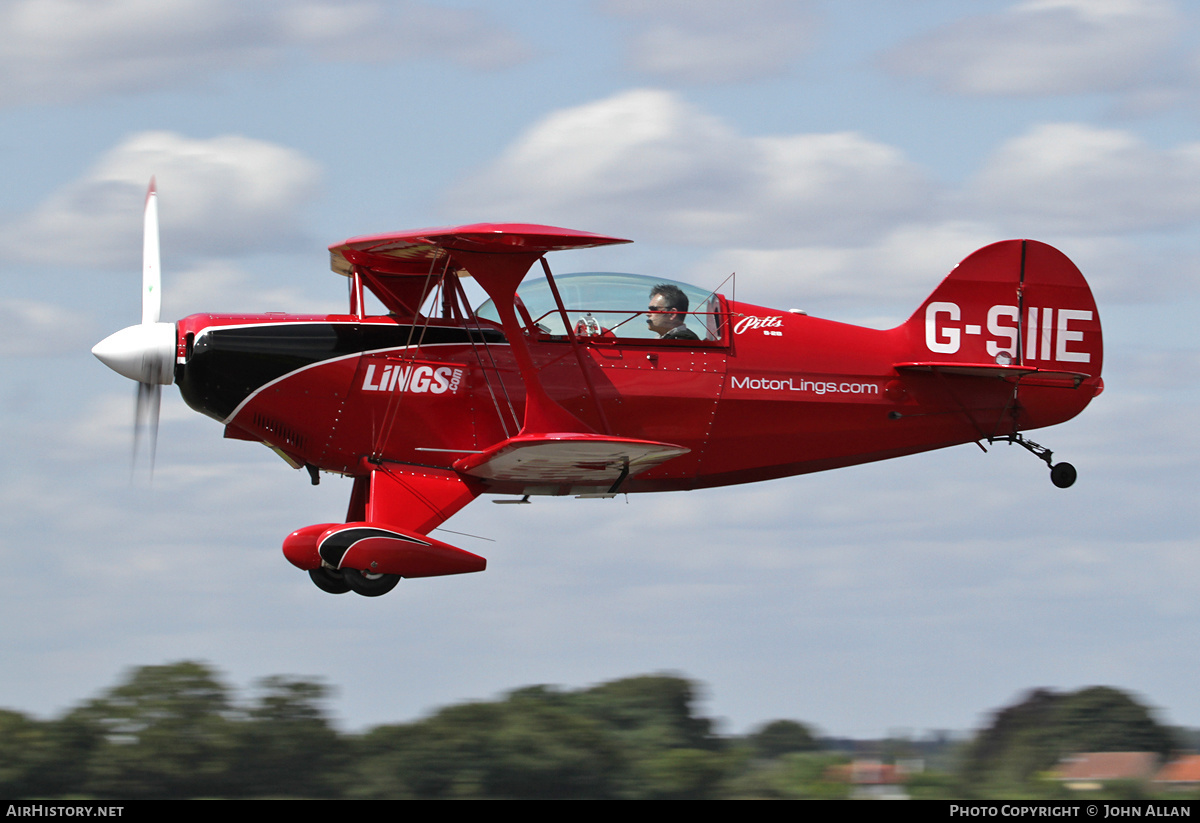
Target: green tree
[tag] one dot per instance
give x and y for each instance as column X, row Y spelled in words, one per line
column 652, row 717
column 22, row 739
column 792, row 776
column 1103, row 719
column 1030, row 737
column 287, row 745
column 167, row 731
column 636, row 737
column 683, row 774
column 652, row 712
column 781, row 737
column 52, row 756
column 531, row 745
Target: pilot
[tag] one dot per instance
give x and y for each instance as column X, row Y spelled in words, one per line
column 668, row 308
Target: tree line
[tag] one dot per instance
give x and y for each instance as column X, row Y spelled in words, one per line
column 177, row 731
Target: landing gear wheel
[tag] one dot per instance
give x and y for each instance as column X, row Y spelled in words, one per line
column 369, row 585
column 328, row 580
column 1063, row 475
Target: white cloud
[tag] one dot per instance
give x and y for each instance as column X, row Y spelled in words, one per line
column 811, row 218
column 31, row 327
column 1073, row 177
column 219, row 286
column 903, row 266
column 103, row 428
column 713, row 41
column 64, row 50
column 225, row 195
column 378, row 32
column 645, row 162
column 1116, row 268
column 1041, row 47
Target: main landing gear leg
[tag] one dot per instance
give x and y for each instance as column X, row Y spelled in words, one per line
column 1061, row 474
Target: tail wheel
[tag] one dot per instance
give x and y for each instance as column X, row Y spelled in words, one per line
column 1063, row 475
column 368, row 584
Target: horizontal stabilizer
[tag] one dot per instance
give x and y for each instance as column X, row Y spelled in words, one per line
column 567, row 458
column 1012, row 373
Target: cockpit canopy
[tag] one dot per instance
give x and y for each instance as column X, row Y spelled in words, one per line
column 610, row 304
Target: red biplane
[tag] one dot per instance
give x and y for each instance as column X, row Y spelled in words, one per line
column 598, row 384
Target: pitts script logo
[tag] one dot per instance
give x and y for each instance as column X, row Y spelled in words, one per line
column 1048, row 332
column 414, row 379
column 751, row 322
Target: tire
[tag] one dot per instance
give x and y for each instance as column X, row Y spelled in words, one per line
column 328, row 580
column 369, row 585
column 1063, row 475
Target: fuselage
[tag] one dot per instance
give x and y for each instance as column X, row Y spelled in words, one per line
column 766, row 394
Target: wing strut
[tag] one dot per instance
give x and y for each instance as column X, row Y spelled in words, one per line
column 587, row 377
column 500, row 274
column 411, row 352
column 486, row 372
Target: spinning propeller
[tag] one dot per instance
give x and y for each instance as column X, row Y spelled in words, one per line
column 145, row 352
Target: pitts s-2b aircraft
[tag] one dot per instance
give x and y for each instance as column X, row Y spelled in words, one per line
column 598, row 384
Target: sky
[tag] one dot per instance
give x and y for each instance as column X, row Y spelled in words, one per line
column 840, row 157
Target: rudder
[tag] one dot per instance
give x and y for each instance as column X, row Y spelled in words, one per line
column 1016, row 302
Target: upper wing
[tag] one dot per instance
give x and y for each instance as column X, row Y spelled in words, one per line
column 396, row 267
column 400, row 251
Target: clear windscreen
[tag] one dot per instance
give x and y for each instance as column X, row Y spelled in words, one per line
column 610, row 304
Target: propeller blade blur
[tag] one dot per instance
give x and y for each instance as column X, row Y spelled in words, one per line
column 151, row 273
column 149, row 401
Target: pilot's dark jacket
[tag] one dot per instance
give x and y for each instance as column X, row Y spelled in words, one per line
column 680, row 333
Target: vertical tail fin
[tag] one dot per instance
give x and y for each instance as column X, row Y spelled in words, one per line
column 1017, row 302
